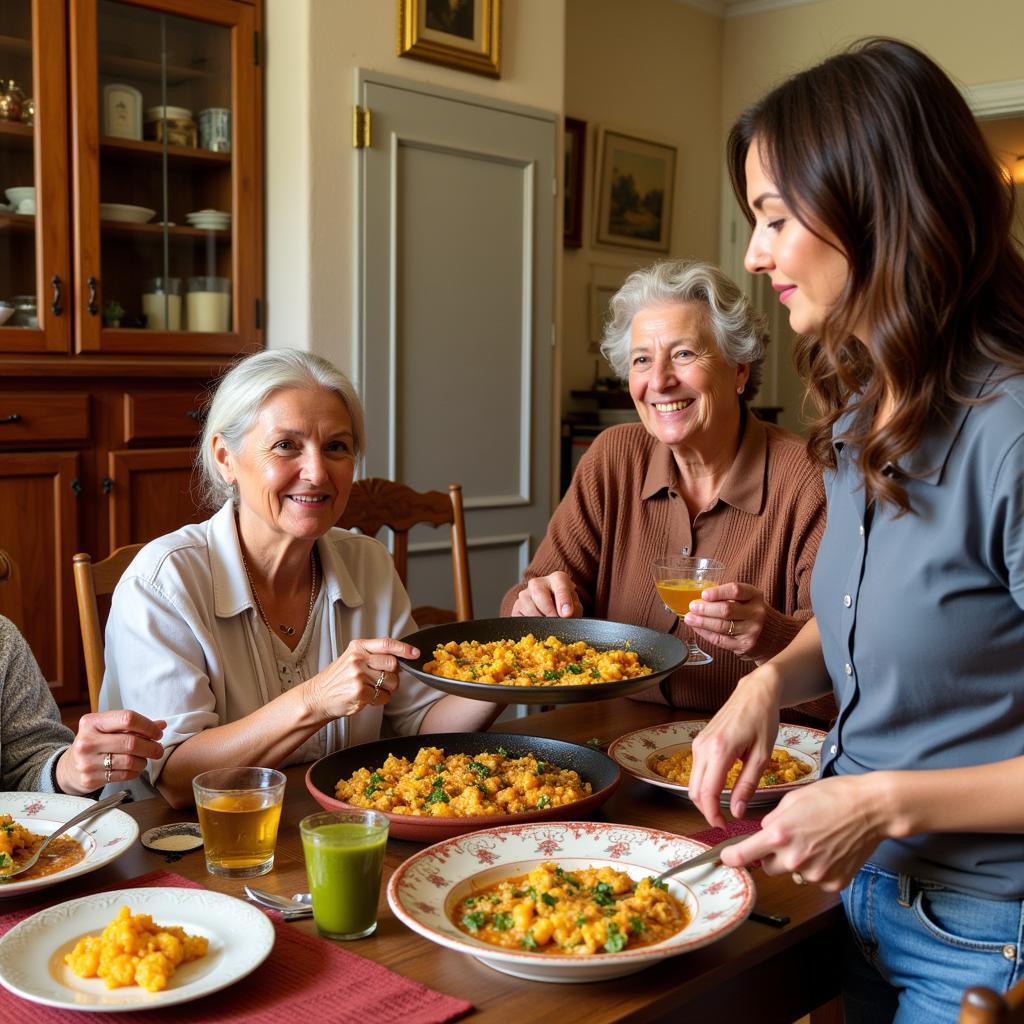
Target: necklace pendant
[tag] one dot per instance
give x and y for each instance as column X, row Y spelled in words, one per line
column 287, row 630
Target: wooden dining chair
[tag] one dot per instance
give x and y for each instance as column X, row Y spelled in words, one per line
column 92, row 581
column 376, row 503
column 983, row 1006
column 10, row 590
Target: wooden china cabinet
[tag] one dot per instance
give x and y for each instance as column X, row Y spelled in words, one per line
column 129, row 279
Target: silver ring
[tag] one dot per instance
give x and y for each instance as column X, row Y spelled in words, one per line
column 106, row 775
column 799, row 879
column 108, row 763
column 376, row 687
column 732, row 628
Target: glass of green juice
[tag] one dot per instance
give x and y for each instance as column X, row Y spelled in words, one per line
column 344, row 853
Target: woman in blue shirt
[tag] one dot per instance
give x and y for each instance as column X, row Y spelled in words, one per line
column 884, row 224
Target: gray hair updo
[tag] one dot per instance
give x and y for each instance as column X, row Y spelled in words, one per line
column 241, row 394
column 740, row 333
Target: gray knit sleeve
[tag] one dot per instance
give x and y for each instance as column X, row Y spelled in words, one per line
column 32, row 735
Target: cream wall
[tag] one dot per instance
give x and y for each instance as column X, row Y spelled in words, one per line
column 652, row 67
column 977, row 43
column 312, row 48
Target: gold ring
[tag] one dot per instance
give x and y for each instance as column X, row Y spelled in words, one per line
column 376, row 687
column 732, row 627
column 799, row 879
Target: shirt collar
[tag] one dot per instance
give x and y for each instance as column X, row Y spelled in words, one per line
column 928, row 459
column 743, row 487
column 231, row 593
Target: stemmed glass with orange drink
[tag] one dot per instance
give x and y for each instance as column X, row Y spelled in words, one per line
column 681, row 580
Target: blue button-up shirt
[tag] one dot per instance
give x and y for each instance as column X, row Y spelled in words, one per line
column 922, row 627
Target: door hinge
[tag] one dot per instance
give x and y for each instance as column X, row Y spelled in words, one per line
column 259, row 314
column 361, row 137
column 256, row 48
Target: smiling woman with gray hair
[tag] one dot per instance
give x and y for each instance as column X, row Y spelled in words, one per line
column 700, row 475
column 265, row 635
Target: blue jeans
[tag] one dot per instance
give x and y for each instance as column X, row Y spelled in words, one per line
column 914, row 947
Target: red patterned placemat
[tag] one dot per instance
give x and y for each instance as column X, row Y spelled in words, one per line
column 739, row 827
column 304, row 979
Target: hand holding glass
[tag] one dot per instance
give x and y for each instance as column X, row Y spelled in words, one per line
column 681, row 580
column 344, row 853
column 239, row 811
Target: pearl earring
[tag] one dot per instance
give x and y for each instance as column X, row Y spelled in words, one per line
column 741, row 389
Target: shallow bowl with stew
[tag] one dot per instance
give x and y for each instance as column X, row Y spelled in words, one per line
column 593, row 766
column 103, row 839
column 432, row 885
column 634, row 751
column 662, row 653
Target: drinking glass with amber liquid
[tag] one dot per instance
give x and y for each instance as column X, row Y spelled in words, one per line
column 681, row 580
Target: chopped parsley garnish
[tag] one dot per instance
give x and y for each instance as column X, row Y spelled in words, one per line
column 563, row 876
column 552, row 673
column 528, row 941
column 375, row 780
column 481, row 769
column 518, row 893
column 660, row 885
column 574, row 669
column 541, row 768
column 543, row 801
column 637, row 924
column 503, row 751
column 616, row 941
column 437, row 795
column 548, row 899
column 580, row 921
column 469, row 901
column 475, row 921
column 596, row 673
column 502, row 921
column 602, row 894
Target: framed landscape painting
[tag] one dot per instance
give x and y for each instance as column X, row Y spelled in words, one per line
column 636, row 179
column 461, row 34
column 575, row 152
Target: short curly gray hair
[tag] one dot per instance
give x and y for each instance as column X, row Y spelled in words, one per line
column 741, row 333
column 241, row 394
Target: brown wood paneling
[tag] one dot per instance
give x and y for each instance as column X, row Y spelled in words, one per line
column 30, row 418
column 162, row 416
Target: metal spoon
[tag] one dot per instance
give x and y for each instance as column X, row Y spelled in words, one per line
column 90, row 812
column 707, row 857
column 300, row 905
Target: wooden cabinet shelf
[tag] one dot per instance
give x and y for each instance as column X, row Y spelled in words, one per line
column 155, row 232
column 20, row 222
column 131, row 150
column 15, row 46
column 17, row 136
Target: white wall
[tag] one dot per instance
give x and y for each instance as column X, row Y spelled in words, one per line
column 312, row 48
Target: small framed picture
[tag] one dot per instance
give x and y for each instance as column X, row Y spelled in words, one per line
column 604, row 283
column 461, row 34
column 635, row 184
column 575, row 151
column 122, row 111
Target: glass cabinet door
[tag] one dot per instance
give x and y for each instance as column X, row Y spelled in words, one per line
column 165, row 215
column 33, row 178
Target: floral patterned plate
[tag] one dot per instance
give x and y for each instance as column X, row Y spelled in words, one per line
column 634, row 751
column 32, row 952
column 104, row 838
column 424, row 891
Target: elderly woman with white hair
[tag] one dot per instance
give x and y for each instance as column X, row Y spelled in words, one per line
column 265, row 635
column 699, row 476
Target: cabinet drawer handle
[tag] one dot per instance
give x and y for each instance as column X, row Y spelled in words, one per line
column 55, row 306
column 92, row 285
column 15, row 417
column 107, row 485
column 76, row 487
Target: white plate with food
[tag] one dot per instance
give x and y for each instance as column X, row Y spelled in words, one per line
column 99, row 840
column 522, row 898
column 660, row 755
column 239, row 938
column 124, row 212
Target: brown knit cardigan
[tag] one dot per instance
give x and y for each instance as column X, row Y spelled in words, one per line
column 623, row 510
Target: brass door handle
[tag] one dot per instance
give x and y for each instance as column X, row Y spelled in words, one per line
column 92, row 284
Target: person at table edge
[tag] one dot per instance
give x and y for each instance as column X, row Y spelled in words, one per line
column 265, row 635
column 700, row 475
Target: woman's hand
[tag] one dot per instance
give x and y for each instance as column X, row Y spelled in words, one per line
column 367, row 673
column 824, row 831
column 745, row 728
column 553, row 596
column 731, row 616
column 128, row 737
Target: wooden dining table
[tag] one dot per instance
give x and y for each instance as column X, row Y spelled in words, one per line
column 756, row 973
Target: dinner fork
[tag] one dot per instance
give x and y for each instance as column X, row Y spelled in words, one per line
column 707, row 857
column 90, row 812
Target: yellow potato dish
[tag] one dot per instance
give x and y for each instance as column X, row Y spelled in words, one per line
column 532, row 662
column 18, row 844
column 574, row 912
column 134, row 950
column 462, row 785
column 781, row 770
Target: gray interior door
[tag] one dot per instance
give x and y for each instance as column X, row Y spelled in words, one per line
column 456, row 228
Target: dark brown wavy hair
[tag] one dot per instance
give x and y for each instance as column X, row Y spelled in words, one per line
column 876, row 149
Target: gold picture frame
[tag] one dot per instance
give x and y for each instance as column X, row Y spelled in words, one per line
column 460, row 34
